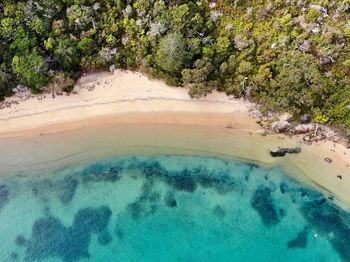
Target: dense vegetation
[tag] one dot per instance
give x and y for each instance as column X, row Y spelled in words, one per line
column 291, row 55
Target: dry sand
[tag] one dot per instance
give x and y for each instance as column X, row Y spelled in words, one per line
column 127, row 113
column 123, row 92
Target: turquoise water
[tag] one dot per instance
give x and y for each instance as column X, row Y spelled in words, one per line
column 168, row 208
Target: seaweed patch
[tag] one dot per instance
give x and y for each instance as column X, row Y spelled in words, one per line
column 146, row 204
column 219, row 211
column 20, row 240
column 66, row 189
column 332, row 223
column 4, row 195
column 262, row 202
column 181, row 182
column 170, row 200
column 99, row 173
column 300, row 241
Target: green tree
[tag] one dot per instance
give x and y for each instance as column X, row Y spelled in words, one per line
column 86, row 46
column 171, row 54
column 31, row 70
column 66, row 54
column 197, row 79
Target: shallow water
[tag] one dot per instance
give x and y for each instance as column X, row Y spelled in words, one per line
column 168, row 208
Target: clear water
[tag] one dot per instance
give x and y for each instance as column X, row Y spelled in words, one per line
column 168, row 208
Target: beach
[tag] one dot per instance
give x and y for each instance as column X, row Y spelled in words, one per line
column 121, row 94
column 126, row 113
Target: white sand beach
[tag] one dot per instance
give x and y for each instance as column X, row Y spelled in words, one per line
column 131, row 113
column 106, row 94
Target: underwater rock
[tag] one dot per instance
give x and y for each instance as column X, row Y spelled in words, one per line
column 283, row 151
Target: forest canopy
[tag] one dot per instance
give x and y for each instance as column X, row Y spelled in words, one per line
column 287, row 55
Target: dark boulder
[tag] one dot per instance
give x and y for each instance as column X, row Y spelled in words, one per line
column 283, row 151
column 328, row 160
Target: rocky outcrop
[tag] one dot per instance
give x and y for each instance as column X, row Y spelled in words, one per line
column 280, row 126
column 305, row 119
column 303, row 128
column 312, row 132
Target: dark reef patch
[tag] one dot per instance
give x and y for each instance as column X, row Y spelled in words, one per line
column 4, row 196
column 66, row 189
column 332, row 223
column 262, row 202
column 170, row 200
column 283, row 188
column 119, row 233
column 222, row 184
column 20, row 240
column 300, row 241
column 43, row 188
column 104, row 238
column 219, row 211
column 50, row 238
column 183, row 182
column 14, row 255
column 96, row 219
column 99, row 173
column 153, row 169
column 146, row 204
column 188, row 180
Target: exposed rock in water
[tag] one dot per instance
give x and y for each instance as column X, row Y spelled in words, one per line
column 283, row 151
column 328, row 160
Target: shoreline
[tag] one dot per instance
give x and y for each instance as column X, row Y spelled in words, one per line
column 217, row 124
